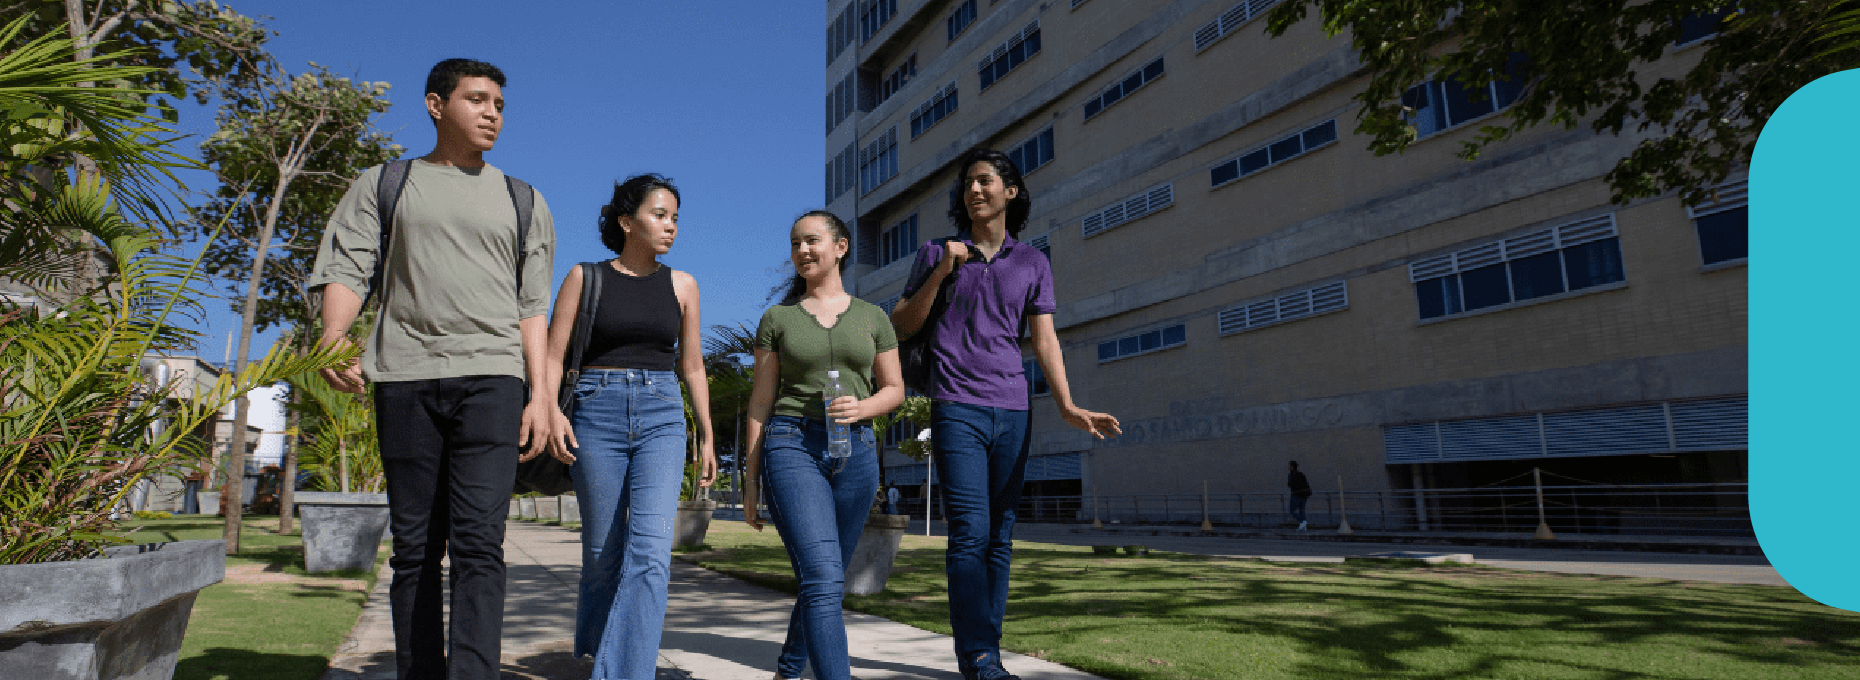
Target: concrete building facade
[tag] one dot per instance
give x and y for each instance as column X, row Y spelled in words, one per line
column 1243, row 282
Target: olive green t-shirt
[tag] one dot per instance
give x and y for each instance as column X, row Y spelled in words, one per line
column 807, row 351
column 451, row 304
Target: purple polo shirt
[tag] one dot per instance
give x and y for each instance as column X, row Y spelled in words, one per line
column 977, row 342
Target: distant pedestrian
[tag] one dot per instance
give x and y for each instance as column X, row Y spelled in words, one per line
column 1301, row 490
column 891, row 499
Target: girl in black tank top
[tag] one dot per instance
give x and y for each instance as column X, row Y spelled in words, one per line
column 636, row 325
column 626, row 440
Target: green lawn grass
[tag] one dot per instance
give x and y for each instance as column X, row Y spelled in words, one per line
column 261, row 631
column 1171, row 616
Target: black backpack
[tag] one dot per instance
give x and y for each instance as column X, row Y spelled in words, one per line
column 914, row 352
column 387, row 196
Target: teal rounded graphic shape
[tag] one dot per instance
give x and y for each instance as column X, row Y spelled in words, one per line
column 1805, row 339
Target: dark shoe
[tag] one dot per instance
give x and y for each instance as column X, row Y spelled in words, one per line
column 994, row 672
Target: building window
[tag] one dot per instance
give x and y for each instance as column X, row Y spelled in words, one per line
column 1229, row 22
column 1570, row 257
column 1143, row 343
column 1036, row 378
column 1279, row 151
column 840, row 174
column 898, row 242
column 897, row 79
column 934, row 109
column 1123, row 87
column 840, row 34
column 1033, row 153
column 874, row 16
column 1142, row 204
column 878, row 161
column 961, row 18
column 1043, row 244
column 1438, row 105
column 1009, row 55
column 840, row 102
column 1724, row 224
column 1700, row 26
column 1310, row 302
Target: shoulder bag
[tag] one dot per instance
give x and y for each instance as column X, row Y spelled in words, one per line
column 544, row 474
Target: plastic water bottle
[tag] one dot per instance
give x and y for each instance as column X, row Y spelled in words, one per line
column 839, row 435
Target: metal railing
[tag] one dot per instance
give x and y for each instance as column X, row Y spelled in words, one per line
column 1633, row 509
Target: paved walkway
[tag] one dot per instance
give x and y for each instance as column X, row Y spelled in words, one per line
column 716, row 627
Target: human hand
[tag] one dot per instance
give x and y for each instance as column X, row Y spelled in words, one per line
column 846, row 410
column 347, row 377
column 533, row 434
column 1091, row 421
column 955, row 253
column 752, row 493
column 707, row 465
column 561, row 436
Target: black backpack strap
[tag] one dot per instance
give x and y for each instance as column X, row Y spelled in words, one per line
column 388, row 185
column 584, row 323
column 524, row 198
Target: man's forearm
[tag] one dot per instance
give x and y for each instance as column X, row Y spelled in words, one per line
column 340, row 307
column 535, row 334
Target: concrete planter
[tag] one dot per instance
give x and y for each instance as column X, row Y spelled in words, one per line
column 526, row 507
column 513, row 507
column 341, row 530
column 693, row 522
column 571, row 508
column 878, row 546
column 547, row 507
column 209, row 502
column 106, row 619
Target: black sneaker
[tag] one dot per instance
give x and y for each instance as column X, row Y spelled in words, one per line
column 994, row 672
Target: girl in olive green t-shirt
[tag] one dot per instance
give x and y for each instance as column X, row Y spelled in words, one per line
column 817, row 502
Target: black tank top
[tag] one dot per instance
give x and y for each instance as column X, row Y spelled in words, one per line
column 636, row 323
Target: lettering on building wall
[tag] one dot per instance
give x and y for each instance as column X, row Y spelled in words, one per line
column 1205, row 419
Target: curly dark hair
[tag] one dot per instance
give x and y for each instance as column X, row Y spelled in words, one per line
column 628, row 196
column 1017, row 208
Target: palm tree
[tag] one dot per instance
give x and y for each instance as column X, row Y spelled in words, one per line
column 81, row 427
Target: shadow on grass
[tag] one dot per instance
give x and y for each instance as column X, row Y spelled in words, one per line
column 239, row 664
column 1250, row 618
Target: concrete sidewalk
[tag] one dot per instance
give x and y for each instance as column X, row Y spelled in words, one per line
column 716, row 627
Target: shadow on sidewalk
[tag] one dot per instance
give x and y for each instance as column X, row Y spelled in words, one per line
column 555, row 661
column 761, row 654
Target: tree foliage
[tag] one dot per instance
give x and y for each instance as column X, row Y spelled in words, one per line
column 180, row 48
column 50, row 120
column 81, row 425
column 284, row 153
column 1587, row 65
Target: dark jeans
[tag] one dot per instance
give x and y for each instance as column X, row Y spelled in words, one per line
column 819, row 506
column 981, row 459
column 449, row 449
column 1298, row 507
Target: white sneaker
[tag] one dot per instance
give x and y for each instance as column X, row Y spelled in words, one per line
column 1301, row 526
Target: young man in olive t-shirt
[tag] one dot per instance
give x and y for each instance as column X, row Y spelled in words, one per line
column 460, row 327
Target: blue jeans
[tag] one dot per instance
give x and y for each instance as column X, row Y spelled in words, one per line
column 630, row 424
column 819, row 505
column 1298, row 507
column 981, row 459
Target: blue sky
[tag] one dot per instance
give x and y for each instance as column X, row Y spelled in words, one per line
column 723, row 97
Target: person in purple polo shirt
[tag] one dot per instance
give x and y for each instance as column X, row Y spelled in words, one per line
column 979, row 414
